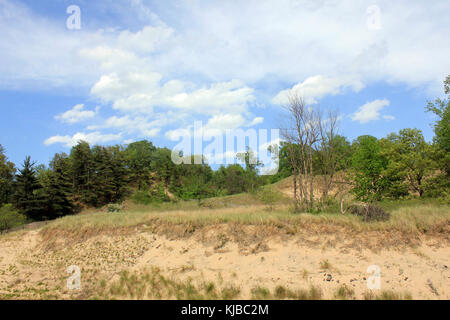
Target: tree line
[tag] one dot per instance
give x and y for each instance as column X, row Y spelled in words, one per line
column 395, row 166
column 99, row 175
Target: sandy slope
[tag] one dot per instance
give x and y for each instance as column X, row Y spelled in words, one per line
column 30, row 268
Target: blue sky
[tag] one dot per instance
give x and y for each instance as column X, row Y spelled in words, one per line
column 148, row 69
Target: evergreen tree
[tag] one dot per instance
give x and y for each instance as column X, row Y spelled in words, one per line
column 139, row 157
column 120, row 173
column 81, row 171
column 26, row 197
column 7, row 172
column 59, row 190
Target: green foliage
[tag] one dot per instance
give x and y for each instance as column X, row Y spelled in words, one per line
column 441, row 108
column 156, row 194
column 439, row 186
column 409, row 161
column 269, row 196
column 252, row 168
column 114, row 207
column 368, row 163
column 231, row 179
column 81, row 170
column 369, row 212
column 56, row 187
column 141, row 197
column 27, row 197
column 339, row 149
column 7, row 172
column 392, row 167
column 139, row 157
column 10, row 217
column 285, row 168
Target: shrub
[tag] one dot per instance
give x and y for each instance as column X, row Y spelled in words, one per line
column 158, row 194
column 141, row 197
column 114, row 207
column 369, row 212
column 10, row 218
column 155, row 195
column 269, row 196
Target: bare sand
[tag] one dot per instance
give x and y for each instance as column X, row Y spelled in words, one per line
column 33, row 269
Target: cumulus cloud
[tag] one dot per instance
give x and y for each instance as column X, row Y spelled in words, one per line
column 141, row 67
column 216, row 40
column 142, row 91
column 91, row 137
column 175, row 135
column 144, row 126
column 371, row 111
column 77, row 114
column 316, row 87
column 256, row 121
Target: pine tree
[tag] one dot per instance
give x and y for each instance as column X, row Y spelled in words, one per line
column 81, row 164
column 26, row 197
column 120, row 173
column 59, row 190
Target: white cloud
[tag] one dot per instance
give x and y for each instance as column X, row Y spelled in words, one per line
column 144, row 126
column 371, row 111
column 225, row 121
column 77, row 114
column 175, row 135
column 142, row 91
column 147, row 40
column 314, row 88
column 92, row 138
column 256, row 121
column 216, row 40
column 140, row 67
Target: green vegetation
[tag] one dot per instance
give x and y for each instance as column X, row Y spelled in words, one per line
column 153, row 284
column 400, row 166
column 344, row 293
column 10, row 218
column 387, row 295
column 282, row 293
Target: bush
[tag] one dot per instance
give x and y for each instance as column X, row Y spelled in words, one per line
column 10, row 218
column 156, row 194
column 141, row 197
column 269, row 196
column 438, row 187
column 114, row 207
column 369, row 212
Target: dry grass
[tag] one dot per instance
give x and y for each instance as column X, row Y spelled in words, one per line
column 152, row 284
column 344, row 293
column 283, row 293
column 387, row 295
column 405, row 226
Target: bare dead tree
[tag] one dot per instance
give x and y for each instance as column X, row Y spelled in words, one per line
column 327, row 153
column 302, row 131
